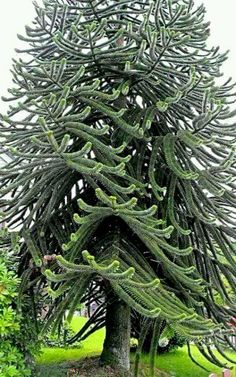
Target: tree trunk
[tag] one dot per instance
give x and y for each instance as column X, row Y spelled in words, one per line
column 116, row 347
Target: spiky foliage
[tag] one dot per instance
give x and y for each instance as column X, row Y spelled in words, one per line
column 117, row 107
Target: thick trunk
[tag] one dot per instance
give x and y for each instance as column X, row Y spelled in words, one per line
column 116, row 347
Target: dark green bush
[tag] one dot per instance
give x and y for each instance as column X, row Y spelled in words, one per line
column 170, row 340
column 171, row 343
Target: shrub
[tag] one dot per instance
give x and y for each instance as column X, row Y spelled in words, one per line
column 170, row 340
column 17, row 341
column 168, row 344
column 133, row 344
column 12, row 359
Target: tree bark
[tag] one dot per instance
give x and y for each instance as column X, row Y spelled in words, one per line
column 116, row 347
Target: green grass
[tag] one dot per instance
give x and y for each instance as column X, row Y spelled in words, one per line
column 92, row 346
column 177, row 362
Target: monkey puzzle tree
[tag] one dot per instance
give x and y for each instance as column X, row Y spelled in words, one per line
column 116, row 108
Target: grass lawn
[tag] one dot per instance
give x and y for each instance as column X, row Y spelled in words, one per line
column 176, row 363
column 92, row 346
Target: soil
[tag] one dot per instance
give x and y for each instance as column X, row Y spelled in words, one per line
column 90, row 367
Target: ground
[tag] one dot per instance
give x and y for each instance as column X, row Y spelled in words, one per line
column 56, row 362
column 88, row 367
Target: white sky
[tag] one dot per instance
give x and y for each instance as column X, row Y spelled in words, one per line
column 14, row 14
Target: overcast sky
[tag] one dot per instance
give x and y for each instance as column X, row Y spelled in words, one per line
column 14, row 14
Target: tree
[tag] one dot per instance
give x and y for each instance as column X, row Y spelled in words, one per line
column 117, row 107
